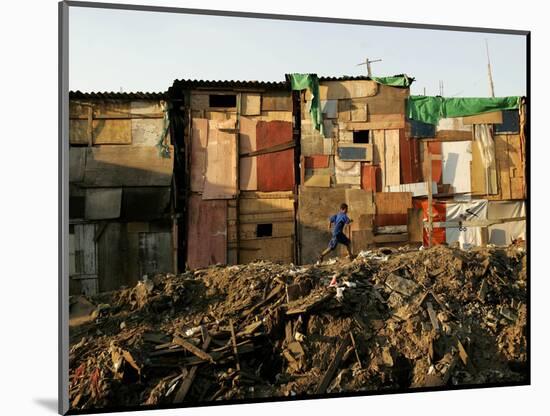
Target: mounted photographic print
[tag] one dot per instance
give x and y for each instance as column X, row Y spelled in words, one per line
column 266, row 207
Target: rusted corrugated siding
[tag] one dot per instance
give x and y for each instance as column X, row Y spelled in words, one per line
column 275, row 170
column 411, row 171
column 207, row 236
column 437, row 166
column 439, row 210
column 317, row 162
column 369, row 175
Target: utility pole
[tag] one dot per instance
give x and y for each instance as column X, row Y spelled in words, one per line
column 424, row 90
column 367, row 63
column 491, row 85
column 441, row 92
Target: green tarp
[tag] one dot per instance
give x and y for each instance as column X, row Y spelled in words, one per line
column 401, row 81
column 432, row 109
column 311, row 82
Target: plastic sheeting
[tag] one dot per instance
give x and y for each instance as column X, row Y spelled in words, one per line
column 504, row 234
column 432, row 109
column 465, row 211
column 456, row 161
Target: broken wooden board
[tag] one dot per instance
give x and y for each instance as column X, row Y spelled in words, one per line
column 415, row 225
column 188, row 381
column 192, row 349
column 329, row 374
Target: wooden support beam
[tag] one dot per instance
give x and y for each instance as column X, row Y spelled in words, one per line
column 272, row 149
column 430, row 195
column 234, row 342
column 329, row 374
column 475, row 223
column 192, row 349
column 188, row 380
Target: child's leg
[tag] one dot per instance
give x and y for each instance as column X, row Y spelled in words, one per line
column 331, row 246
column 348, row 247
column 324, row 253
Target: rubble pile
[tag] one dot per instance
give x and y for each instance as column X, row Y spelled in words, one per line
column 395, row 319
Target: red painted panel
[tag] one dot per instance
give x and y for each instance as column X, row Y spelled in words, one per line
column 206, row 239
column 439, row 214
column 275, row 170
column 317, row 162
column 370, row 177
column 411, row 171
column 437, row 165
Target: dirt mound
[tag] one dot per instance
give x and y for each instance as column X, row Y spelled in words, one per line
column 396, row 319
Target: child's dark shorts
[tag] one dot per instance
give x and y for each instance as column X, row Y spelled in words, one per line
column 338, row 238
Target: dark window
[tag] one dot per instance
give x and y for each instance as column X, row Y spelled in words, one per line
column 361, row 136
column 264, row 230
column 76, row 206
column 217, row 100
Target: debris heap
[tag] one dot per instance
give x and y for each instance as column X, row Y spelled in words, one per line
column 396, row 319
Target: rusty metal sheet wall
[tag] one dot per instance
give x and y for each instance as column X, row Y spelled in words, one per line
column 275, row 170
column 207, row 235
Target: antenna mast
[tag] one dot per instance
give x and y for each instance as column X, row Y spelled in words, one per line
column 367, row 63
column 491, row 85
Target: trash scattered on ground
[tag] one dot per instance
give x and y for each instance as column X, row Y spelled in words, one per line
column 395, row 319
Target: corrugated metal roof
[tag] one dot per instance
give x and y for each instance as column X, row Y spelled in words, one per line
column 138, row 95
column 198, row 83
column 182, row 84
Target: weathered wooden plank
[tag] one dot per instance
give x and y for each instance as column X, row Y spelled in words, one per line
column 269, row 134
column 248, row 178
column 192, row 349
column 368, row 177
column 277, row 101
column 358, row 111
column 392, row 208
column 251, row 104
column 494, row 117
column 392, row 162
column 453, row 135
column 116, row 166
column 199, row 141
column 221, row 164
column 375, row 125
column 318, row 180
column 379, row 156
column 207, row 232
column 103, row 203
column 415, row 225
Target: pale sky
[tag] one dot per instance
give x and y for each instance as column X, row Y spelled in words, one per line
column 110, row 50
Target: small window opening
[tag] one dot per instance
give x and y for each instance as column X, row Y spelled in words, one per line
column 217, row 100
column 264, row 230
column 361, row 136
